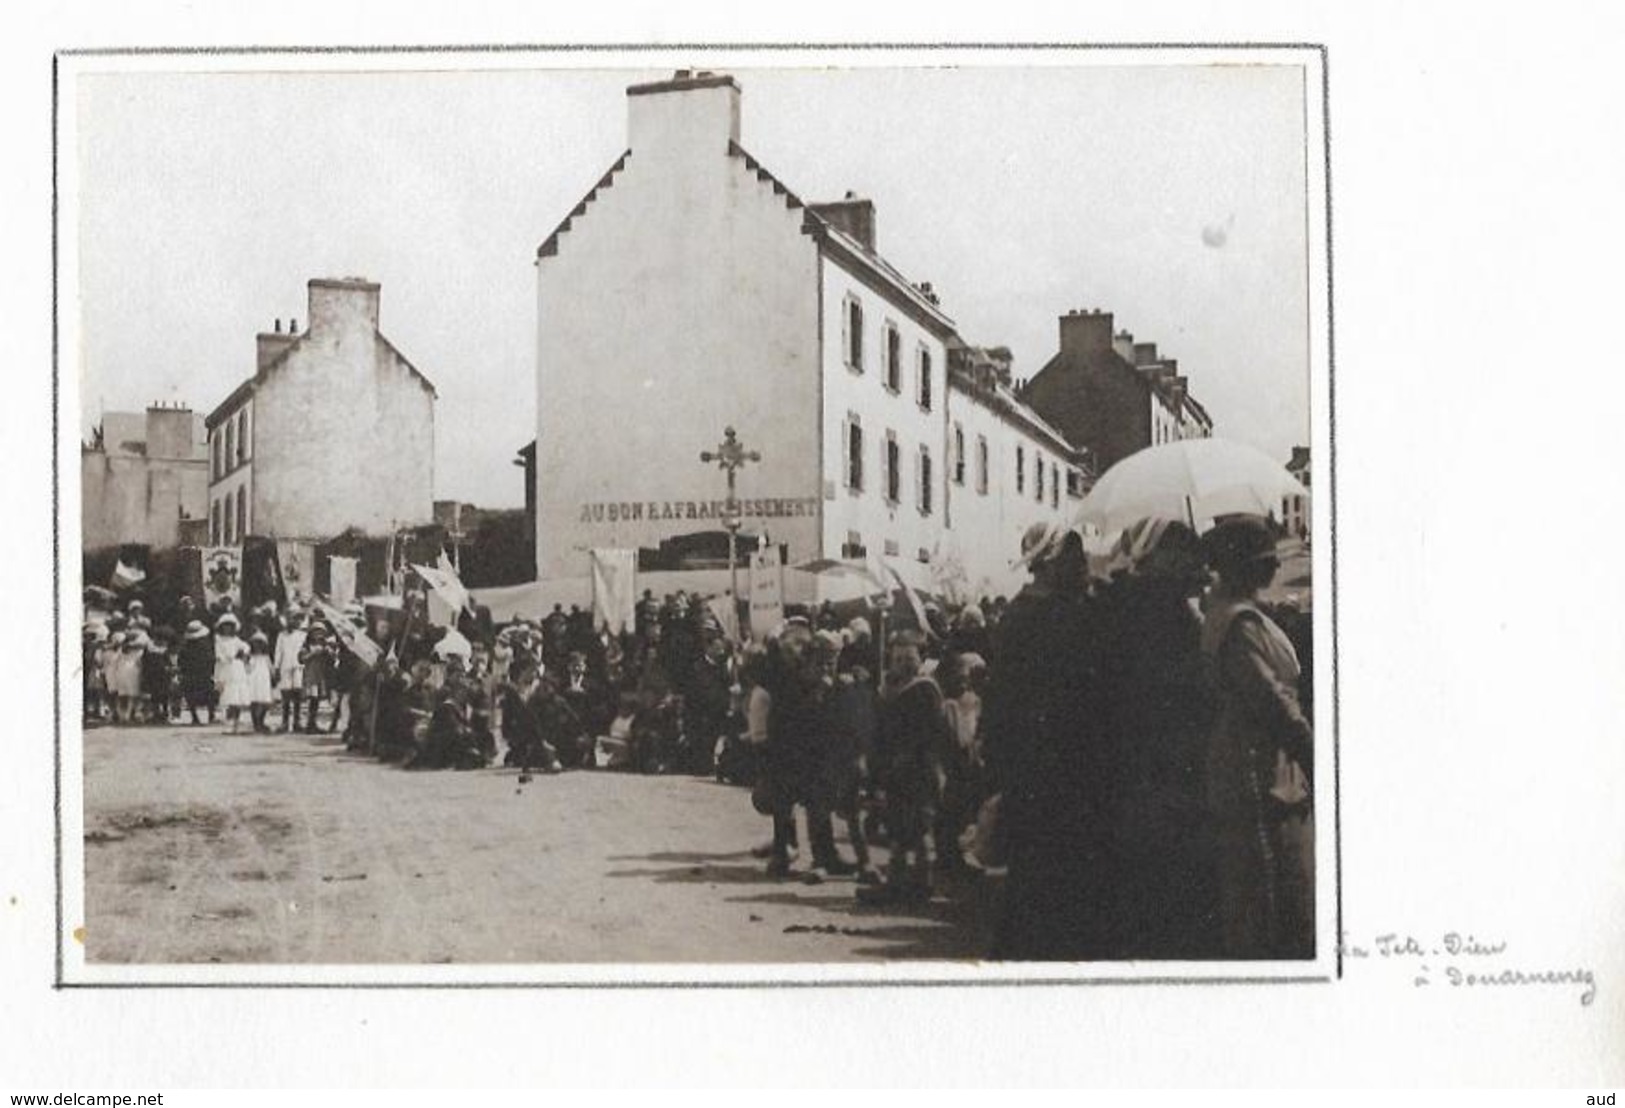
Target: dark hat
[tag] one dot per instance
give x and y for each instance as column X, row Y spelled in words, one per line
column 1238, row 541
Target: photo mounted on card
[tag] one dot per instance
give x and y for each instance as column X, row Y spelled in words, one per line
column 728, row 517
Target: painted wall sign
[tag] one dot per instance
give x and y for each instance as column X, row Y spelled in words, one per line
column 640, row 511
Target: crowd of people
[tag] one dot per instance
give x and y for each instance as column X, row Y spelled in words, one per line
column 1129, row 746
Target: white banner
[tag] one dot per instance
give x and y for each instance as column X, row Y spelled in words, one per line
column 340, row 579
column 354, row 639
column 298, row 562
column 614, row 589
column 766, row 591
column 222, row 574
column 448, row 596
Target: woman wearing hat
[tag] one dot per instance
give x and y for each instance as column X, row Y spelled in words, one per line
column 197, row 669
column 1259, row 758
column 230, row 668
column 127, row 676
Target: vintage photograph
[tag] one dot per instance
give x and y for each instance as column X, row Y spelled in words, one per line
column 753, row 509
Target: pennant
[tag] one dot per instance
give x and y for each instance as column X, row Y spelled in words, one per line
column 445, row 583
column 615, row 589
column 353, row 638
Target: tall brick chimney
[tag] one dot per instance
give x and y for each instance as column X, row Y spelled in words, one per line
column 852, row 214
column 1086, row 332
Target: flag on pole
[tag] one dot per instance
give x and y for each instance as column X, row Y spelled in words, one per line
column 127, row 577
column 614, row 589
column 298, row 562
column 340, row 579
column 354, row 639
column 727, row 615
column 447, row 586
column 766, row 591
column 913, row 597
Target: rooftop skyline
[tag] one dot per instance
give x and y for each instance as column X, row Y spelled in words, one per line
column 1172, row 196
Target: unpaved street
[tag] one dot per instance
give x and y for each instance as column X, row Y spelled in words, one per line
column 206, row 847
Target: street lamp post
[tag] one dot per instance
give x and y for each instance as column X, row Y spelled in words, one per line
column 730, row 456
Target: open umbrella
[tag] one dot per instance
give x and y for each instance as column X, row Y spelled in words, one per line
column 1194, row 480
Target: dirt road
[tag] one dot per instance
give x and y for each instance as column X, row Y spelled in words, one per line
column 206, row 847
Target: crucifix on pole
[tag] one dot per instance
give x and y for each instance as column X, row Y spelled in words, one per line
column 730, row 456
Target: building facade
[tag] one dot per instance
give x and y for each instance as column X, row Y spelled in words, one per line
column 1295, row 509
column 1116, row 395
column 333, row 432
column 144, row 478
column 691, row 291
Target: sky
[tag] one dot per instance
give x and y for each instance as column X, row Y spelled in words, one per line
column 1173, row 196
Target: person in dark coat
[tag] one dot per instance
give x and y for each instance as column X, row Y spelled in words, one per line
column 1158, row 711
column 909, row 746
column 522, row 725
column 1040, row 729
column 588, row 702
column 790, row 755
column 197, row 670
column 707, row 703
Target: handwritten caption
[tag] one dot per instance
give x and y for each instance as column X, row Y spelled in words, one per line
column 1457, row 960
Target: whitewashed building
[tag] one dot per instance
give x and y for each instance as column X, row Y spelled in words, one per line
column 333, row 432
column 690, row 291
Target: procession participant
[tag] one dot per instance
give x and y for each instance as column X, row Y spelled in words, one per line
column 318, row 660
column 230, row 669
column 586, row 700
column 908, row 750
column 838, row 780
column 127, row 677
column 795, row 731
column 858, row 657
column 963, row 788
column 522, row 723
column 1259, row 763
column 1040, row 726
column 157, row 676
column 289, row 670
column 95, row 689
column 197, row 670
column 562, row 728
column 1158, row 712
column 392, row 739
column 707, row 702
column 261, row 695
column 108, row 662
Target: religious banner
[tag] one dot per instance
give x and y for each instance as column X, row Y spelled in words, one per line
column 298, row 562
column 222, row 575
column 614, row 589
column 766, row 591
column 340, row 579
column 262, row 573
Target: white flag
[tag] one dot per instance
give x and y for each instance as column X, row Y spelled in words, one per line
column 340, row 579
column 766, row 591
column 445, row 583
column 353, row 638
column 614, row 589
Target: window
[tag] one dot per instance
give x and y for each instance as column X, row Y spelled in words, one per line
column 894, row 359
column 925, row 481
column 242, row 514
column 892, row 548
column 854, row 453
column 231, row 443
column 981, row 464
column 1054, row 486
column 242, row 437
column 1021, row 469
column 852, row 340
column 853, row 547
column 959, row 455
column 925, row 378
column 1038, row 478
column 214, row 513
column 894, row 466
column 218, row 468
